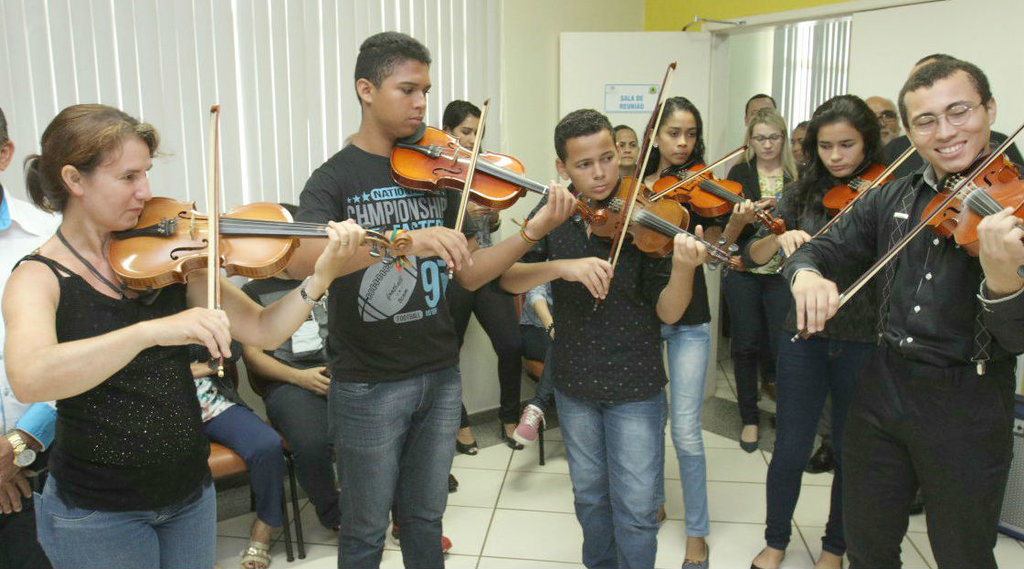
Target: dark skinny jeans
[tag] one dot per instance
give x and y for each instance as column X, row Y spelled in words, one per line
column 807, row 371
column 755, row 301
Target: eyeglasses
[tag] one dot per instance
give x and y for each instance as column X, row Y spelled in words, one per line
column 627, row 144
column 774, row 139
column 888, row 116
column 956, row 115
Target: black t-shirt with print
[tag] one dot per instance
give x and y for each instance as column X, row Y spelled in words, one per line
column 385, row 323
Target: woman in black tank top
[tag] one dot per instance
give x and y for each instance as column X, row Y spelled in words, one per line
column 129, row 485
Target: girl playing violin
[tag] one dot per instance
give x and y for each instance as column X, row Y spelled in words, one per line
column 758, row 298
column 129, row 484
column 679, row 143
column 842, row 139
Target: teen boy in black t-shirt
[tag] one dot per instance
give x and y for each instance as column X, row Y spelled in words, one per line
column 393, row 353
column 607, row 363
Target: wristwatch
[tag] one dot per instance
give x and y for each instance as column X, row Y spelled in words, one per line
column 322, row 301
column 23, row 455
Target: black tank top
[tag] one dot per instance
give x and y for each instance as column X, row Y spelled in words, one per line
column 133, row 442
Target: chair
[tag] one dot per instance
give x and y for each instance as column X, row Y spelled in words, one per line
column 224, row 463
column 534, row 369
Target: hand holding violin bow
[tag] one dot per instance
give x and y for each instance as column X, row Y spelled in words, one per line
column 816, row 299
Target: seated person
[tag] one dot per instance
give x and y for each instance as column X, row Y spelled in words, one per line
column 538, row 330
column 227, row 420
column 293, row 381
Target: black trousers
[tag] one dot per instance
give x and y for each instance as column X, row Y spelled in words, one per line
column 496, row 313
column 947, row 430
column 18, row 545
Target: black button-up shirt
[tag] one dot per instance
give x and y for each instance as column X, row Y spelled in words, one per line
column 935, row 290
column 612, row 354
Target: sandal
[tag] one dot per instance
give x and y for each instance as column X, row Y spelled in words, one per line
column 256, row 556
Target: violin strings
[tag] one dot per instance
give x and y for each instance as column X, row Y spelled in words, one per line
column 713, row 188
column 665, row 228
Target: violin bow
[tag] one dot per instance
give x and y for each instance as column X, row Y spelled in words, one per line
column 874, row 184
column 954, row 193
column 700, row 172
column 213, row 223
column 649, row 136
column 460, row 218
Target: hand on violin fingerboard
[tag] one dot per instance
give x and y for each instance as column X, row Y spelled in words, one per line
column 1001, row 252
column 743, row 213
column 816, row 299
column 591, row 272
column 687, row 252
column 558, row 208
column 450, row 245
column 343, row 240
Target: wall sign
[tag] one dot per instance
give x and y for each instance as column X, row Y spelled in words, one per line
column 630, row 97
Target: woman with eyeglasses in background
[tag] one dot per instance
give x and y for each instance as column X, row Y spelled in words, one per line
column 758, row 298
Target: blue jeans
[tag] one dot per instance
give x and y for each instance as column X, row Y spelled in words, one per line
column 615, row 452
column 181, row 535
column 259, row 445
column 808, row 370
column 301, row 416
column 688, row 350
column 394, row 441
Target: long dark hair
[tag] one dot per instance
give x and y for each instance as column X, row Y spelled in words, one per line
column 814, row 176
column 672, row 105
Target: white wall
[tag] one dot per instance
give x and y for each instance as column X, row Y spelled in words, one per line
column 885, row 44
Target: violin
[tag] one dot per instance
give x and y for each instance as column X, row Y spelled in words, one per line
column 839, row 196
column 653, row 225
column 998, row 186
column 711, row 197
column 256, row 241
column 433, row 159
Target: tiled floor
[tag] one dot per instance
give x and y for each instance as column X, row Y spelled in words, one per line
column 511, row 512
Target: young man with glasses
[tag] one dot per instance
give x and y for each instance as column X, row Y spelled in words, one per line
column 888, row 120
column 899, row 144
column 934, row 406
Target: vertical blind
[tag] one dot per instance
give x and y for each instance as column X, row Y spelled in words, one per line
column 282, row 73
column 811, row 65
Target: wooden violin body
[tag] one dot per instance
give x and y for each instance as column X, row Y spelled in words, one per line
column 437, row 161
column 170, row 241
column 997, row 187
column 839, row 196
column 711, row 197
column 654, row 224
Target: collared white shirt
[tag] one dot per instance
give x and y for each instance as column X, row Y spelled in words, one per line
column 30, row 227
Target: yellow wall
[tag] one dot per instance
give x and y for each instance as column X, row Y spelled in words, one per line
column 672, row 15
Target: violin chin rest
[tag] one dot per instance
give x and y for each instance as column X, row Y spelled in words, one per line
column 416, row 136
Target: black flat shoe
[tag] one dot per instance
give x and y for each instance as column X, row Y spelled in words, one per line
column 821, row 461
column 512, row 443
column 453, row 484
column 468, row 448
